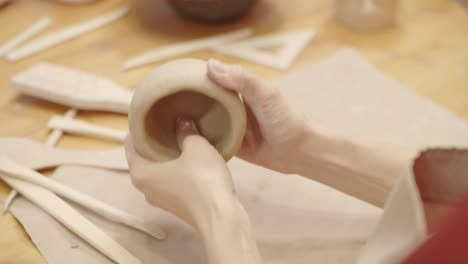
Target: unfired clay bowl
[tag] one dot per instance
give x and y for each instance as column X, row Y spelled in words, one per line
column 182, row 88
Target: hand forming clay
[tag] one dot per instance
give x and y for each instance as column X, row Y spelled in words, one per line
column 182, row 88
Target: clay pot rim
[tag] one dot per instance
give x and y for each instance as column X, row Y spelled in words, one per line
column 232, row 104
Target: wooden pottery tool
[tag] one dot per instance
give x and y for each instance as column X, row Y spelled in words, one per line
column 30, row 32
column 172, row 50
column 13, row 169
column 73, row 88
column 70, row 218
column 35, row 155
column 52, row 140
column 74, row 126
column 256, row 49
column 65, row 34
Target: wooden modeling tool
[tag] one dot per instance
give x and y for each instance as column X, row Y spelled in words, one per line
column 172, row 50
column 73, row 88
column 52, row 140
column 13, row 169
column 35, row 155
column 65, row 34
column 78, row 127
column 257, row 49
column 69, row 217
column 30, row 32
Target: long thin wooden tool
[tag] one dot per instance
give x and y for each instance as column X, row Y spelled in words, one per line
column 30, row 32
column 12, row 169
column 65, row 34
column 256, row 49
column 37, row 156
column 52, row 140
column 172, row 50
column 84, row 128
column 74, row 88
column 69, row 217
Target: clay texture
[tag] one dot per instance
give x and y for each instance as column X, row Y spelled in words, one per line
column 182, row 88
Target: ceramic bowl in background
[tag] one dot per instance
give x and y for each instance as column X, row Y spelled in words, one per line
column 213, row 10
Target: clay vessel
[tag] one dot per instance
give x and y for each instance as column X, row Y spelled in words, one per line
column 215, row 10
column 367, row 15
column 182, row 88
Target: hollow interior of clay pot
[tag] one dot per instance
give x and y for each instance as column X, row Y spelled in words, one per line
column 211, row 118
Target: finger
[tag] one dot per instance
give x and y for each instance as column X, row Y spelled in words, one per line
column 184, row 128
column 236, row 78
column 139, row 167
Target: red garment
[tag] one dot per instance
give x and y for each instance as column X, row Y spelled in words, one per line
column 447, row 246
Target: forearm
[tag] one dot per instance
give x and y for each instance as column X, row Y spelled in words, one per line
column 363, row 170
column 227, row 235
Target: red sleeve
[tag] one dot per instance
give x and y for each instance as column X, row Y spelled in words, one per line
column 447, row 246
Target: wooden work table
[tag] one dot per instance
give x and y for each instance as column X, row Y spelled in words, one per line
column 427, row 51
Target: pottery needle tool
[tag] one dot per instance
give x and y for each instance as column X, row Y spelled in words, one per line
column 172, row 50
column 13, row 169
column 73, row 88
column 28, row 33
column 66, row 34
column 79, row 127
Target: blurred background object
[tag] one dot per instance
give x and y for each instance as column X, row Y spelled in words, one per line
column 75, row 1
column 464, row 3
column 212, row 10
column 367, row 15
column 2, row 2
column 201, row 10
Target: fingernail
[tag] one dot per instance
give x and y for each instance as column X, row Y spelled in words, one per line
column 217, row 66
column 185, row 124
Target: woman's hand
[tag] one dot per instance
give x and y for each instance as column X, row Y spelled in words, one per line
column 275, row 129
column 191, row 186
column 197, row 187
column 280, row 137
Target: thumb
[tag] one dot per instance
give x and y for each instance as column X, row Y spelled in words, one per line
column 184, row 128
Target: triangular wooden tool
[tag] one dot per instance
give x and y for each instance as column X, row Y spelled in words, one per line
column 257, row 49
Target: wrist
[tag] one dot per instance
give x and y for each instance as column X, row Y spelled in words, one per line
column 313, row 144
column 361, row 169
column 227, row 235
column 220, row 211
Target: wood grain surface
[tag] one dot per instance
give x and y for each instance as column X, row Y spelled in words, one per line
column 427, row 51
